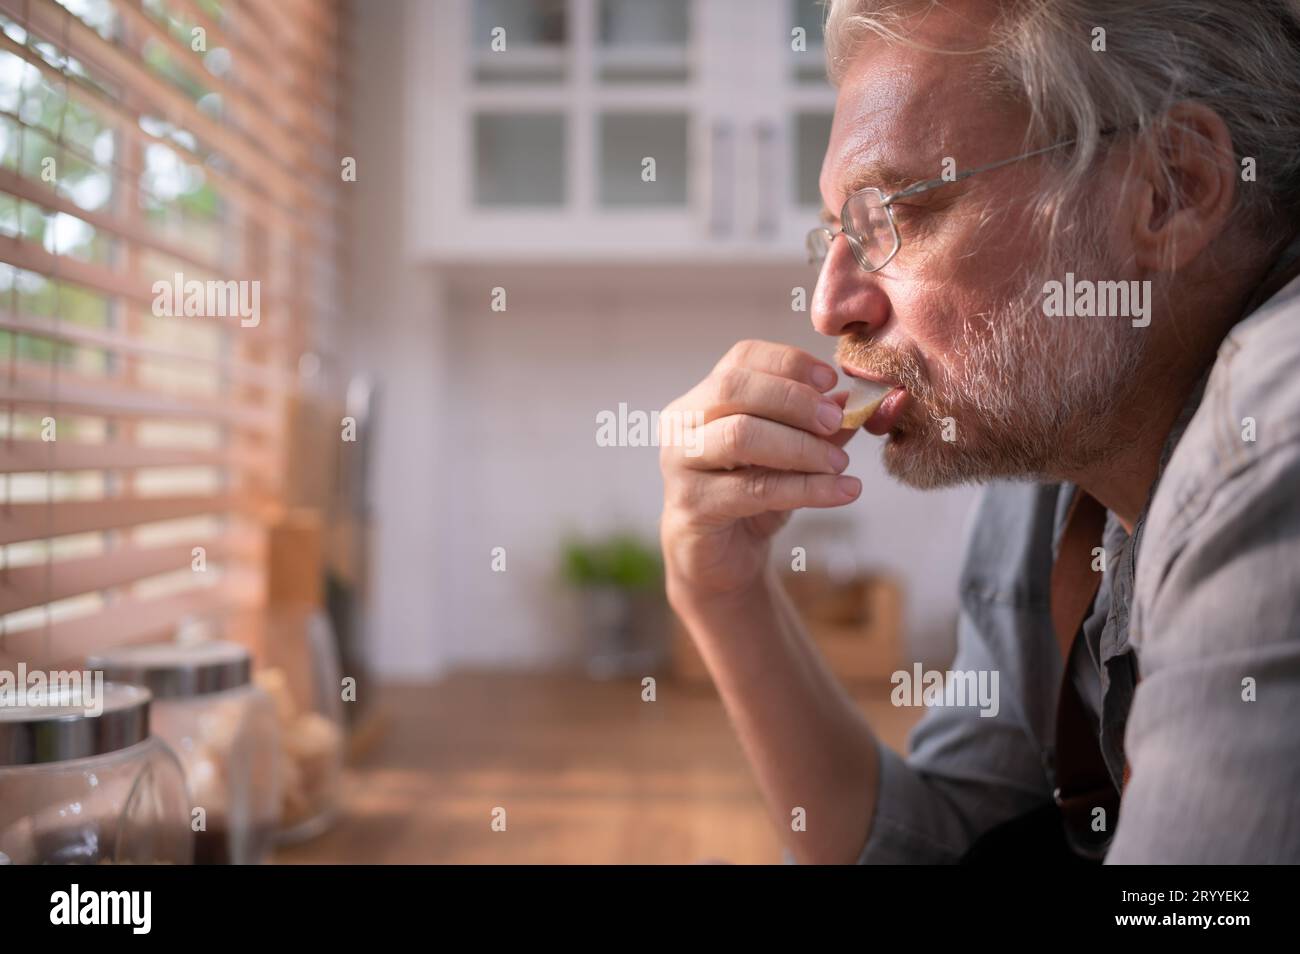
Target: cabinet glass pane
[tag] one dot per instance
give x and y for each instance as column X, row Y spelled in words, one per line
column 519, row 41
column 527, row 23
column 812, row 134
column 644, row 41
column 519, row 159
column 627, row 140
column 809, row 63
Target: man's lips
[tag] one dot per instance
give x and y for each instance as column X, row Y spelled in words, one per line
column 888, row 414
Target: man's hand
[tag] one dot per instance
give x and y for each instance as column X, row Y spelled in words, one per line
column 770, row 443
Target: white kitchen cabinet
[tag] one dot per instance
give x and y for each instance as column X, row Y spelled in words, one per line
column 530, row 123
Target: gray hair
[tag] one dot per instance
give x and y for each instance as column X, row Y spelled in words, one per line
column 1240, row 58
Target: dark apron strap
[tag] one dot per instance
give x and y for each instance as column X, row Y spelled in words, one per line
column 1083, row 782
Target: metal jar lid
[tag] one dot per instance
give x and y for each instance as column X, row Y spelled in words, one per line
column 75, row 724
column 178, row 670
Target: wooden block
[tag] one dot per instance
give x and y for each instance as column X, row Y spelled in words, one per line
column 856, row 625
column 295, row 560
column 312, row 430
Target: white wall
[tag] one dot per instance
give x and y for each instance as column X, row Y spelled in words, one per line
column 394, row 331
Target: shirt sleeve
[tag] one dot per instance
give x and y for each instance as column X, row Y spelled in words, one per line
column 967, row 772
column 1212, row 739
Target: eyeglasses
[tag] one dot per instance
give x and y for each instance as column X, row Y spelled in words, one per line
column 867, row 219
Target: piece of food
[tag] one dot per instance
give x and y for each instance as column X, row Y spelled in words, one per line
column 276, row 685
column 864, row 397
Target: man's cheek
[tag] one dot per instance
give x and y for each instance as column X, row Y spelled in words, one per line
column 940, row 321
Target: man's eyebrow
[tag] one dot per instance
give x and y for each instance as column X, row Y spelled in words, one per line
column 878, row 174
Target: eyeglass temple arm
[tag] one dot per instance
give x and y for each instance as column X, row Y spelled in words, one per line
column 935, row 183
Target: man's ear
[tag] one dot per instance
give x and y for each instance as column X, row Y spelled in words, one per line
column 1186, row 186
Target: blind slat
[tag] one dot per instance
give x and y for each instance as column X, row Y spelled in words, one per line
column 47, row 198
column 52, row 329
column 35, row 521
column 101, row 278
column 41, row 386
column 124, row 622
column 19, row 457
column 27, row 586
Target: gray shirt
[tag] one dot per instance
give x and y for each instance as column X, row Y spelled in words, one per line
column 1203, row 600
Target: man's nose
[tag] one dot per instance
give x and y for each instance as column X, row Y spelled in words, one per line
column 848, row 300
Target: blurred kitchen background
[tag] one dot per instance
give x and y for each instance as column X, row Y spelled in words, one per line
column 395, row 476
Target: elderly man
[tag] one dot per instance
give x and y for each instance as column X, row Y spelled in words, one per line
column 1062, row 235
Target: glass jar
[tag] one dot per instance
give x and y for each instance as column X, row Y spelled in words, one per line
column 302, row 675
column 83, row 782
column 223, row 729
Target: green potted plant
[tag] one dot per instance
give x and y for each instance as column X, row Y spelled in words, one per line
column 619, row 580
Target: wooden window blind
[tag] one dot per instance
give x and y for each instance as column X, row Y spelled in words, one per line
column 147, row 141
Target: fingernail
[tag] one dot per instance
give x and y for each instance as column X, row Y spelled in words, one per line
column 849, row 486
column 838, row 459
column 830, row 415
column 823, row 377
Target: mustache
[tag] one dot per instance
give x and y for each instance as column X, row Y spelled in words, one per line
column 904, row 367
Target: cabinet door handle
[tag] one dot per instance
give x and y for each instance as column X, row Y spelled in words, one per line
column 721, row 163
column 765, row 221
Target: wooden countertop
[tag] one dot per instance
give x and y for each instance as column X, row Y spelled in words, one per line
column 586, row 771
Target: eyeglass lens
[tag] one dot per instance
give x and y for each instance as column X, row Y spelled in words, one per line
column 867, row 228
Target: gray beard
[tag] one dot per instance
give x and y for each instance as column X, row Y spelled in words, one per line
column 1035, row 398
